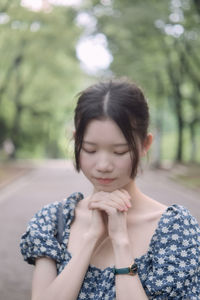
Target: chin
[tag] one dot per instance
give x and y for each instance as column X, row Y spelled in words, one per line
column 109, row 188
column 104, row 189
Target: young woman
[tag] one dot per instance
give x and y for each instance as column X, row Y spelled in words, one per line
column 116, row 243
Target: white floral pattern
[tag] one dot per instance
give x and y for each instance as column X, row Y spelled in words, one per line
column 169, row 270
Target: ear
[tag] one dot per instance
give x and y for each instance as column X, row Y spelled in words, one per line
column 147, row 144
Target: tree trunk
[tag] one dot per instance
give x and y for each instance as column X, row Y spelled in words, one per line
column 179, row 154
column 157, row 144
column 15, row 132
column 193, row 151
column 159, row 122
column 176, row 95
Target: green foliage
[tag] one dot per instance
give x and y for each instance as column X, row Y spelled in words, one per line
column 40, row 75
column 156, row 44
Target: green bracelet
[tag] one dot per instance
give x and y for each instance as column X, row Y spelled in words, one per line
column 132, row 270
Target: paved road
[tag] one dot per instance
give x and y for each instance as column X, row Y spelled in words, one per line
column 49, row 182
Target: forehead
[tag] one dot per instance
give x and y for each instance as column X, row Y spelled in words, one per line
column 105, row 130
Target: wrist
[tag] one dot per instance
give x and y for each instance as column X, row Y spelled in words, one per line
column 121, row 248
column 131, row 270
column 122, row 242
column 122, row 253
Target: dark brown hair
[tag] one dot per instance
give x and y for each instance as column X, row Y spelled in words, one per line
column 119, row 100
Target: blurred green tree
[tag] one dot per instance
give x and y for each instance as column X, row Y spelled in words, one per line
column 157, row 44
column 40, row 75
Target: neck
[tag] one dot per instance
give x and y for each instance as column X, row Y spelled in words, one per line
column 136, row 195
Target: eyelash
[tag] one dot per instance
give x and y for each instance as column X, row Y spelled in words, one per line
column 121, row 153
column 91, row 152
column 117, row 153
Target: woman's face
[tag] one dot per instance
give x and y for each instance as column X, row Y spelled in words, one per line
column 105, row 157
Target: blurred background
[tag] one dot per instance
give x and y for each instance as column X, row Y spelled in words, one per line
column 50, row 50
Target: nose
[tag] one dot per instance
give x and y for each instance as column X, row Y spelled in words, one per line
column 104, row 164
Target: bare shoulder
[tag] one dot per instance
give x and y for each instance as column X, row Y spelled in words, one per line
column 149, row 211
column 154, row 209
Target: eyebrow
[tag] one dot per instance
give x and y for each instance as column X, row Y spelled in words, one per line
column 116, row 145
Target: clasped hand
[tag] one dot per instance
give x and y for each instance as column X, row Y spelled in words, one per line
column 109, row 213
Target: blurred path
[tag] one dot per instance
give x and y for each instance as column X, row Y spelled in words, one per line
column 52, row 181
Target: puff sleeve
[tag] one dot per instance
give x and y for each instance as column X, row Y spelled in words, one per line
column 40, row 237
column 175, row 266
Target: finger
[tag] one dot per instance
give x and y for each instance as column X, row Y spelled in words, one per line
column 105, row 198
column 102, row 206
column 121, row 198
column 118, row 199
column 126, row 193
column 107, row 204
column 115, row 201
column 99, row 196
column 125, row 196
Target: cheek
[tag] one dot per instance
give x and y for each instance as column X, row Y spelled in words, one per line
column 125, row 165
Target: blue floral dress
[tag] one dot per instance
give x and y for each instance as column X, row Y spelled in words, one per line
column 169, row 270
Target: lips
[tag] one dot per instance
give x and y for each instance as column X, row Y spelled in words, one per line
column 105, row 180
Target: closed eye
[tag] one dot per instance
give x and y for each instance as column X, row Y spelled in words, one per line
column 120, row 153
column 89, row 151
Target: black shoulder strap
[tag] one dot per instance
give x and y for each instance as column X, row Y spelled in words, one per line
column 60, row 228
